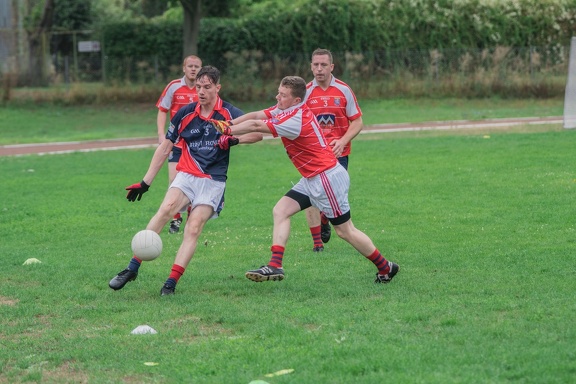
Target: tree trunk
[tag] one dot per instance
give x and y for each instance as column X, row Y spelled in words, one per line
column 39, row 58
column 192, row 16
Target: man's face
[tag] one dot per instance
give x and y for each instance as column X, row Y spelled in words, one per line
column 321, row 67
column 191, row 68
column 207, row 90
column 285, row 99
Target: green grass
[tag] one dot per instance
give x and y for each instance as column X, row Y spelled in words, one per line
column 482, row 225
column 21, row 124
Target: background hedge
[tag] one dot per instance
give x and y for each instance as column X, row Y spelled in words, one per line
column 356, row 26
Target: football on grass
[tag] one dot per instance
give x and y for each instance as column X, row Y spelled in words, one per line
column 146, row 245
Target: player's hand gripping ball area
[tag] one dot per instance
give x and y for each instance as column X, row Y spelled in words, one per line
column 146, row 245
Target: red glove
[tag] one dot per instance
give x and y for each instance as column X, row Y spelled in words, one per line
column 222, row 126
column 136, row 191
column 226, row 141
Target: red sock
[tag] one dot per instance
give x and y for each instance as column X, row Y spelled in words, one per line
column 277, row 255
column 315, row 231
column 323, row 218
column 177, row 216
column 177, row 272
column 380, row 262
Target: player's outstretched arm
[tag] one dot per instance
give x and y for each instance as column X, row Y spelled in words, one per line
column 227, row 141
column 249, row 126
column 135, row 191
column 250, row 138
column 256, row 115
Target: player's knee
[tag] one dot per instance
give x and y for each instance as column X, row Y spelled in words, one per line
column 193, row 229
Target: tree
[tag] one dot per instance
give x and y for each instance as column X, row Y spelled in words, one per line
column 39, row 22
column 191, row 30
column 193, row 14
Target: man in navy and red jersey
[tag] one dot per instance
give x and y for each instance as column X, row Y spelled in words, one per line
column 324, row 183
column 338, row 113
column 178, row 93
column 201, row 177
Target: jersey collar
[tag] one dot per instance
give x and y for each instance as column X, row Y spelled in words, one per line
column 219, row 106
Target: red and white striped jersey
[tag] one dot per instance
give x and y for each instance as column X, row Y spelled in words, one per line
column 334, row 108
column 302, row 137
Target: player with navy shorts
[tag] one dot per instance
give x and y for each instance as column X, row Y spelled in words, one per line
column 176, row 94
column 202, row 173
column 339, row 115
column 324, row 183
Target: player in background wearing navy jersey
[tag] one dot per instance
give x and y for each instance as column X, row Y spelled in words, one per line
column 178, row 93
column 202, row 173
column 335, row 106
column 324, row 183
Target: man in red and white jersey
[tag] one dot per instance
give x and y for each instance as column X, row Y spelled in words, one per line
column 339, row 115
column 324, row 183
column 178, row 93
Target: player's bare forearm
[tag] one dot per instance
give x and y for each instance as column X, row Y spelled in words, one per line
column 160, row 125
column 249, row 138
column 249, row 126
column 256, row 115
column 353, row 130
column 158, row 159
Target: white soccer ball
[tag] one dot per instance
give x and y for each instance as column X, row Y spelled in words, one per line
column 146, row 245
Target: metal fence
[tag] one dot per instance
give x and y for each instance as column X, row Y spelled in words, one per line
column 435, row 64
column 79, row 57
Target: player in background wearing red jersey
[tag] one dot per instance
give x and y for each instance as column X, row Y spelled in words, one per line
column 334, row 104
column 324, row 183
column 202, row 173
column 178, row 93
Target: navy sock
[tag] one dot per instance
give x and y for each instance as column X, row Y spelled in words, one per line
column 171, row 282
column 134, row 265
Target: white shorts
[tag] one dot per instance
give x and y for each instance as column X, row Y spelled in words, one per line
column 201, row 191
column 327, row 191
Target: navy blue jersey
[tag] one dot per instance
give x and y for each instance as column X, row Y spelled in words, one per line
column 201, row 156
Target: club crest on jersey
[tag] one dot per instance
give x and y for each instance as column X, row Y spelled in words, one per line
column 326, row 119
column 337, row 101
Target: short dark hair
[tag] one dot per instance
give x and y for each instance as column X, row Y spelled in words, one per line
column 210, row 72
column 296, row 84
column 322, row 51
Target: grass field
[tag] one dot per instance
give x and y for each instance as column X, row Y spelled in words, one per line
column 482, row 225
column 21, row 124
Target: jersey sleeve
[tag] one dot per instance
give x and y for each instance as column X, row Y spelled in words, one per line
column 352, row 108
column 164, row 103
column 288, row 124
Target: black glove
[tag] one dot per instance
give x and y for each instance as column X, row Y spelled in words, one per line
column 226, row 141
column 135, row 191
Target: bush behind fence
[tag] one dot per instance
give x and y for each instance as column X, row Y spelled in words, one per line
column 253, row 75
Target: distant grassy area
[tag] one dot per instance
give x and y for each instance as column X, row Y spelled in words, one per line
column 45, row 122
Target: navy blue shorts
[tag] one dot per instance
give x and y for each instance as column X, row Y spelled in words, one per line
column 175, row 155
column 343, row 162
